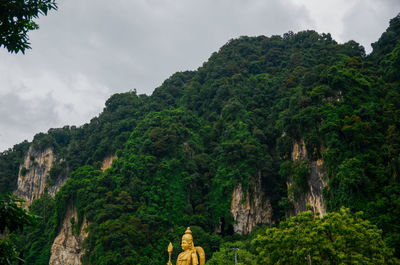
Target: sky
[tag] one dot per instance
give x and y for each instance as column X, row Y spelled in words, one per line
column 88, row 50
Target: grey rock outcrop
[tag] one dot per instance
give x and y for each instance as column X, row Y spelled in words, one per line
column 316, row 182
column 251, row 208
column 107, row 162
column 67, row 246
column 33, row 173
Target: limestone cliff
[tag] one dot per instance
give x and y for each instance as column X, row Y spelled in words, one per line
column 107, row 162
column 316, row 181
column 67, row 246
column 250, row 208
column 33, row 173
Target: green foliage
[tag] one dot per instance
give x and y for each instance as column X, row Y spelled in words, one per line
column 35, row 243
column 16, row 19
column 56, row 171
column 388, row 40
column 183, row 150
column 301, row 171
column 158, row 168
column 12, row 218
column 226, row 255
column 8, row 251
column 296, row 173
column 337, row 238
column 10, row 161
column 24, row 170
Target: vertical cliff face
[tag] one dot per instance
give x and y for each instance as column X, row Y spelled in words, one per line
column 316, row 182
column 250, row 208
column 67, row 247
column 33, row 173
column 107, row 162
column 32, row 182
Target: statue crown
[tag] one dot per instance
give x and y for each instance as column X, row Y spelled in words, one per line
column 188, row 231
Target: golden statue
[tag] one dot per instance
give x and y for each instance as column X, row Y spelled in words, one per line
column 190, row 252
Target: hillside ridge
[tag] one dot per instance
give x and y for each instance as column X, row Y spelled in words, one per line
column 266, row 128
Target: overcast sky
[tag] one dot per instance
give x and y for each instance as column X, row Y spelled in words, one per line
column 90, row 49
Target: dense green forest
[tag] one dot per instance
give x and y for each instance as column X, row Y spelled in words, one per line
column 183, row 150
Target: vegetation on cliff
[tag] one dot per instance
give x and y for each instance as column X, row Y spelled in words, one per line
column 183, row 150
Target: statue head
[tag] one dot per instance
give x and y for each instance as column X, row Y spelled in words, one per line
column 187, row 240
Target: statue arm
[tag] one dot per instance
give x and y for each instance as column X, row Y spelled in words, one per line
column 202, row 255
column 195, row 260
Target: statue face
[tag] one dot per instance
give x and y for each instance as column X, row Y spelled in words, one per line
column 186, row 243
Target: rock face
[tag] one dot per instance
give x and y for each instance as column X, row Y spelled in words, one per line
column 67, row 247
column 317, row 181
column 248, row 211
column 32, row 182
column 107, row 162
column 33, row 173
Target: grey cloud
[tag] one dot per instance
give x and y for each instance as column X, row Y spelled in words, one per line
column 42, row 100
column 368, row 19
column 21, row 117
column 137, row 44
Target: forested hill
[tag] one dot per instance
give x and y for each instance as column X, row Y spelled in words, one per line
column 231, row 126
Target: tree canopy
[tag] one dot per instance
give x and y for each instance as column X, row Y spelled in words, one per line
column 16, row 19
column 337, row 238
column 13, row 217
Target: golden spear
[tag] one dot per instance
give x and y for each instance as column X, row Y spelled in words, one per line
column 170, row 248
